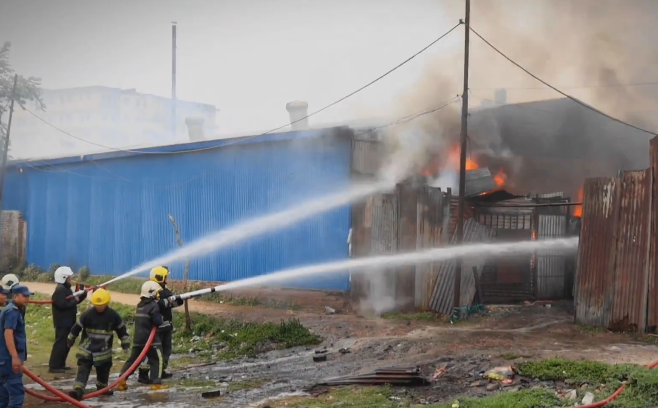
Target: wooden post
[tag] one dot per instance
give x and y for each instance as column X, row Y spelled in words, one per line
column 188, row 319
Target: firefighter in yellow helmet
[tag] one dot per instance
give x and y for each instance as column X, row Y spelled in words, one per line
column 159, row 275
column 97, row 325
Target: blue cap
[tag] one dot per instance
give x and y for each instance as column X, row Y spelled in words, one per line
column 4, row 291
column 21, row 290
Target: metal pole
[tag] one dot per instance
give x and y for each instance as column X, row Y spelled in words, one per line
column 462, row 158
column 6, row 146
column 173, row 78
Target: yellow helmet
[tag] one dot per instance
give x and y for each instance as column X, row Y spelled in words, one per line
column 159, row 274
column 100, row 297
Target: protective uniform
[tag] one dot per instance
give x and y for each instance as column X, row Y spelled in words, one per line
column 147, row 316
column 97, row 330
column 12, row 392
column 159, row 275
column 64, row 317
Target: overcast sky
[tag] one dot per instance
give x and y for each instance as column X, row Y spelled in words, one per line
column 247, row 57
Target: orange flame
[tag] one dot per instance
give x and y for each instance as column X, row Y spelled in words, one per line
column 451, row 162
column 500, row 178
column 578, row 210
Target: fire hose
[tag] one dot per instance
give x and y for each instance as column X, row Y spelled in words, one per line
column 61, row 397
column 78, row 293
column 614, row 395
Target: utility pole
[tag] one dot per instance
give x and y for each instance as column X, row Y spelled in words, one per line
column 173, row 79
column 6, row 146
column 462, row 158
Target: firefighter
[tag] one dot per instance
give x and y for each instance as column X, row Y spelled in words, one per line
column 97, row 326
column 64, row 317
column 159, row 274
column 13, row 353
column 147, row 316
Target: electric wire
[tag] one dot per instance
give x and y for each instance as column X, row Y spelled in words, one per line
column 593, row 109
column 539, row 88
column 242, row 139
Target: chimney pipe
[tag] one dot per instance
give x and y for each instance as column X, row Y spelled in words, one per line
column 298, row 111
column 195, row 128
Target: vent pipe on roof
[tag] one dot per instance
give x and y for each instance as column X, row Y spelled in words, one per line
column 298, row 111
column 195, row 128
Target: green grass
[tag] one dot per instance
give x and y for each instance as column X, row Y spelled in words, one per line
column 134, row 285
column 211, row 338
column 367, row 397
column 246, row 384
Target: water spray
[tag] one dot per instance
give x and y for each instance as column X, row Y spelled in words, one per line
column 437, row 254
column 257, row 226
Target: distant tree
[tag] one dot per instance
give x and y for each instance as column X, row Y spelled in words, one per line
column 27, row 90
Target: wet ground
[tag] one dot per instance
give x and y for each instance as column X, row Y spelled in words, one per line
column 502, row 336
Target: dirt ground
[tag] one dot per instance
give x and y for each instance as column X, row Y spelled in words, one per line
column 483, row 342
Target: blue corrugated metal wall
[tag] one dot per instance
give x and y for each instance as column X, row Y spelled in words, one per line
column 113, row 214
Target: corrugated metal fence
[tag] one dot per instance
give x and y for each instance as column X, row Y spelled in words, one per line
column 612, row 288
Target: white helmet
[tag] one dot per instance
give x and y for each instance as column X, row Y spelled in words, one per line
column 62, row 274
column 150, row 289
column 9, row 281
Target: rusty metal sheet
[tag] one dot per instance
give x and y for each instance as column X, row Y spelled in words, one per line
column 652, row 296
column 593, row 283
column 366, row 156
column 433, row 208
column 630, row 279
column 479, row 181
column 442, row 297
column 551, row 265
column 381, row 286
column 407, row 242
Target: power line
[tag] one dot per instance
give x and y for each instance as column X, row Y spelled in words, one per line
column 238, row 140
column 522, row 88
column 559, row 91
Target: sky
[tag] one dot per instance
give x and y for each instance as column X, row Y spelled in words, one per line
column 246, row 57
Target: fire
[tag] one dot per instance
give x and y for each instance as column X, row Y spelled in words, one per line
column 578, row 210
column 500, row 178
column 450, row 162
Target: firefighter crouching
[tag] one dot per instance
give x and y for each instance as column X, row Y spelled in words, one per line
column 147, row 316
column 97, row 326
column 159, row 275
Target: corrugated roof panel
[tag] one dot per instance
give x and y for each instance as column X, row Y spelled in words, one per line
column 113, row 215
column 551, row 265
column 479, row 181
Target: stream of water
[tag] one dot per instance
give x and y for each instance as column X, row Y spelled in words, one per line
column 430, row 255
column 261, row 225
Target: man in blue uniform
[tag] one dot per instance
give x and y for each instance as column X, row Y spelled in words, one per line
column 13, row 349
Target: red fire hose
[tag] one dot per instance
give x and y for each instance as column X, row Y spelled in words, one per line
column 50, row 302
column 61, row 397
column 614, row 395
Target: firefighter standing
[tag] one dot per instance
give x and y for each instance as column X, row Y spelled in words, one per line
column 65, row 309
column 98, row 325
column 159, row 275
column 13, row 349
column 147, row 316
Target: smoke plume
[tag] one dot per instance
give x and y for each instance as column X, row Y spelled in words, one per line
column 583, row 47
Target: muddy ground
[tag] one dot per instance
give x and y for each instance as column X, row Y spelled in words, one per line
column 502, row 336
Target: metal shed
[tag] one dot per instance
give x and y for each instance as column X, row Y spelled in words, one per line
column 110, row 211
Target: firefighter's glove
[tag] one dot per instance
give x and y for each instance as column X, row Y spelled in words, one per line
column 83, row 296
column 70, row 342
column 179, row 302
column 125, row 347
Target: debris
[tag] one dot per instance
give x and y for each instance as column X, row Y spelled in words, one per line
column 507, row 382
column 572, row 395
column 391, row 376
column 211, row 394
column 438, row 373
column 493, row 387
column 329, row 310
column 321, row 351
column 318, row 358
column 455, row 404
column 500, row 373
column 345, row 351
column 588, row 399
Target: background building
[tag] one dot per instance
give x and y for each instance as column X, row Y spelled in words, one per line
column 118, row 118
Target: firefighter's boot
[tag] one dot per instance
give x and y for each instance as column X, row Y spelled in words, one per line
column 108, row 393
column 156, row 387
column 143, row 377
column 77, row 394
column 122, row 386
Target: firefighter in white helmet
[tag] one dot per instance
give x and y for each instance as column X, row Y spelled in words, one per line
column 147, row 316
column 65, row 310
